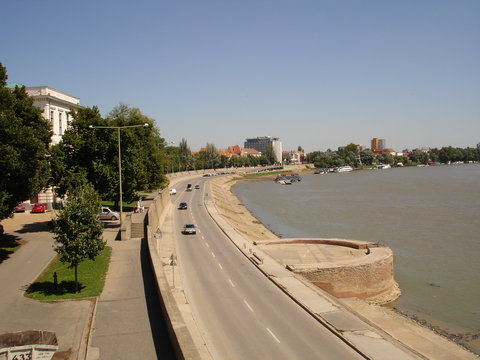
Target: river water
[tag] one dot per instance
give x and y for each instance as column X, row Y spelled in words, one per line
column 428, row 216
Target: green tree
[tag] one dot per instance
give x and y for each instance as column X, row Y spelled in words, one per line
column 77, row 229
column 25, row 137
column 91, row 153
column 185, row 155
column 270, row 155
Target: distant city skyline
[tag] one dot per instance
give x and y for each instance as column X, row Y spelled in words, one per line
column 315, row 74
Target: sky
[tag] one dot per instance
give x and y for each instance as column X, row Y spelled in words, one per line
column 315, row 73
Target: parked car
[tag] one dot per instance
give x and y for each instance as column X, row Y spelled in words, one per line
column 183, row 206
column 189, row 229
column 108, row 214
column 19, row 208
column 173, row 191
column 38, row 208
column 197, row 186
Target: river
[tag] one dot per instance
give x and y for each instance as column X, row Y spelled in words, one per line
column 428, row 216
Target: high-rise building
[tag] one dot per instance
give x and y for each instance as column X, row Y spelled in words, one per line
column 382, row 144
column 260, row 144
column 378, row 144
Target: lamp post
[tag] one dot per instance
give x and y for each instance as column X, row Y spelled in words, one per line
column 118, row 128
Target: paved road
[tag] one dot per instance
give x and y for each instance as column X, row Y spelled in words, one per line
column 240, row 312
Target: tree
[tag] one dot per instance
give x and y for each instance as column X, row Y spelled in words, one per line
column 25, row 136
column 185, row 155
column 270, row 154
column 77, row 229
column 93, row 154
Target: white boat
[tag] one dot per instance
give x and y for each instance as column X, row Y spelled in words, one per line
column 343, row 169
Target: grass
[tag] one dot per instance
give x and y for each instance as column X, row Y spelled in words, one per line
column 91, row 278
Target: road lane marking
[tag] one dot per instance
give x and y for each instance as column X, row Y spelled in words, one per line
column 220, row 265
column 206, row 244
column 213, row 254
column 231, row 283
column 273, row 335
column 249, row 307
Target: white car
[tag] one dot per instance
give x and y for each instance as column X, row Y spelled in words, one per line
column 189, row 229
column 108, row 214
column 173, row 191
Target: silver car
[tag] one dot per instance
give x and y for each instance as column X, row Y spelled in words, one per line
column 108, row 214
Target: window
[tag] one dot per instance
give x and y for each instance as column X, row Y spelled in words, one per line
column 51, row 116
column 60, row 123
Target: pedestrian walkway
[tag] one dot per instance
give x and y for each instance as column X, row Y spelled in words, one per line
column 128, row 323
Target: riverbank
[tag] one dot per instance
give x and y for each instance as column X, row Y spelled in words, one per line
column 401, row 328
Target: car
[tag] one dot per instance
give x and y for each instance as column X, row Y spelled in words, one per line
column 38, row 208
column 197, row 186
column 189, row 187
column 1, row 230
column 183, row 206
column 108, row 214
column 19, row 208
column 173, row 191
column 189, row 229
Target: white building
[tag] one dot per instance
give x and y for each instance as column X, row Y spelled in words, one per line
column 55, row 106
column 260, row 144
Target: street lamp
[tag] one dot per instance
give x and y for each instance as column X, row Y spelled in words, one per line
column 118, row 128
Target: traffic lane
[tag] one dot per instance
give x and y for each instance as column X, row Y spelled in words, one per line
column 294, row 344
column 293, row 325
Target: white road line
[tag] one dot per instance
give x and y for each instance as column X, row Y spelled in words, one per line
column 220, row 265
column 231, row 283
column 213, row 254
column 250, row 308
column 206, row 244
column 273, row 335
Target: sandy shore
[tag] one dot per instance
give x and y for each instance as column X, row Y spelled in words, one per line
column 400, row 327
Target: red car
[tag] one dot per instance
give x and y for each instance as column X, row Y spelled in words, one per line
column 20, row 208
column 38, row 208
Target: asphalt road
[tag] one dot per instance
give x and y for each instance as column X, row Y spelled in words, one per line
column 241, row 314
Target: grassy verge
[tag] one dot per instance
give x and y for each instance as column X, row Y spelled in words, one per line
column 91, row 278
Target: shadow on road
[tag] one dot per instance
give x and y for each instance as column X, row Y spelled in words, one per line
column 158, row 327
column 8, row 244
column 40, row 226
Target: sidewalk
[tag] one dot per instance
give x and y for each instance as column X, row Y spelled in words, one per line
column 128, row 323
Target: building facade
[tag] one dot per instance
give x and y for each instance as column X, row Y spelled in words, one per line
column 378, row 144
column 55, row 106
column 262, row 142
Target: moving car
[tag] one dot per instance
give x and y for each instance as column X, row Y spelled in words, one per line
column 38, row 208
column 189, row 187
column 108, row 214
column 19, row 208
column 189, row 229
column 182, row 206
column 197, row 186
column 173, row 191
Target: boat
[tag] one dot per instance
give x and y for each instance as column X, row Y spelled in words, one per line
column 343, row 169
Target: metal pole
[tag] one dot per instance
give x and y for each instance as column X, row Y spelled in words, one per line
column 120, row 178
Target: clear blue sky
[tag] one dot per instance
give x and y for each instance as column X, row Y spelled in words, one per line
column 315, row 73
